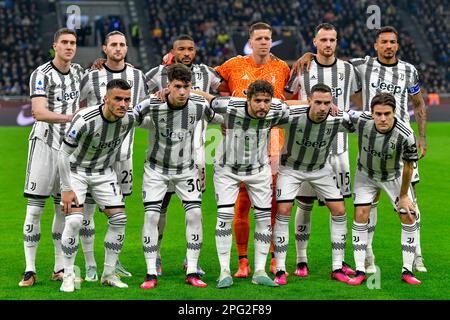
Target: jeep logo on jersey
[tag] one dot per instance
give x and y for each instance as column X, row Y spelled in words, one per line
column 111, row 144
column 376, row 153
column 336, row 92
column 306, row 143
column 66, row 96
column 180, row 136
column 389, row 87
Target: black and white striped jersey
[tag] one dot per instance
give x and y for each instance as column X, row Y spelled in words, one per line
column 95, row 141
column 62, row 91
column 381, row 154
column 340, row 77
column 306, row 143
column 204, row 78
column 400, row 79
column 171, row 132
column 244, row 148
column 93, row 89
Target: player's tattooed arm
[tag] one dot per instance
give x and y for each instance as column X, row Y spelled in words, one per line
column 420, row 115
column 40, row 112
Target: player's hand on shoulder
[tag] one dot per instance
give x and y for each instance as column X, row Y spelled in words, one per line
column 161, row 94
column 304, row 61
column 98, row 64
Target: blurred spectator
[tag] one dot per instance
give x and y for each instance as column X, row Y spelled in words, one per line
column 20, row 44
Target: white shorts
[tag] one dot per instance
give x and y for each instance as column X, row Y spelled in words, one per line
column 322, row 182
column 155, row 185
column 124, row 171
column 42, row 178
column 259, row 187
column 415, row 175
column 104, row 189
column 201, row 176
column 341, row 168
column 366, row 189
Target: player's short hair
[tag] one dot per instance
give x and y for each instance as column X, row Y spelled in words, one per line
column 259, row 86
column 118, row 83
column 385, row 30
column 383, row 98
column 182, row 37
column 325, row 26
column 320, row 87
column 259, row 26
column 62, row 31
column 113, row 33
column 179, row 71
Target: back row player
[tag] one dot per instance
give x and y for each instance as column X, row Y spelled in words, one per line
column 54, row 92
column 387, row 73
column 205, row 79
column 93, row 89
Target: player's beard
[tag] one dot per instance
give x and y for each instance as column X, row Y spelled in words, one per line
column 181, row 61
column 327, row 54
column 116, row 59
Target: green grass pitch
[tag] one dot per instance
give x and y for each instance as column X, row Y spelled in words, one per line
column 433, row 194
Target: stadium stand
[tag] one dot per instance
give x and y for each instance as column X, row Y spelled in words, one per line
column 20, row 46
column 212, row 24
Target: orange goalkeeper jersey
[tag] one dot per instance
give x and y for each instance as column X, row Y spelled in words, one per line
column 240, row 71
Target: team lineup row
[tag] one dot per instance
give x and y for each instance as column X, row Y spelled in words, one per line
column 96, row 144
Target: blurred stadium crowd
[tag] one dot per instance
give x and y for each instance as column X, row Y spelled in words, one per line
column 212, row 22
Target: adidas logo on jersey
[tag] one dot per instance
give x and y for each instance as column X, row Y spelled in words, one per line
column 162, row 120
column 102, row 84
column 313, row 77
column 97, row 135
column 245, row 77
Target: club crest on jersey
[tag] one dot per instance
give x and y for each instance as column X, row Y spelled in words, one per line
column 341, row 76
column 191, row 119
column 198, row 75
column 392, row 144
column 130, row 82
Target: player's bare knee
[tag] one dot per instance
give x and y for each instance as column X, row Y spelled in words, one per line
column 407, row 218
column 362, row 214
column 336, row 208
column 284, row 208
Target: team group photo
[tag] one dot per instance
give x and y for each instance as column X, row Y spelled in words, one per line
column 250, row 151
